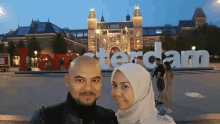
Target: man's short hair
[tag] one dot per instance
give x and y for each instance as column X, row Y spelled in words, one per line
column 76, row 61
column 158, row 59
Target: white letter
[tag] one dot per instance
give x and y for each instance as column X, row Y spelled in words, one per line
column 135, row 54
column 102, row 54
column 195, row 58
column 158, row 50
column 175, row 58
column 204, row 58
column 146, row 59
column 114, row 60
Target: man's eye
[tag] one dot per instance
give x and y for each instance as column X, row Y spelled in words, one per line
column 96, row 80
column 79, row 80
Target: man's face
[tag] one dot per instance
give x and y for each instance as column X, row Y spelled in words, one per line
column 157, row 62
column 85, row 83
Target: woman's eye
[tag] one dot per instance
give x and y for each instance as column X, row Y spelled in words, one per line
column 113, row 85
column 124, row 86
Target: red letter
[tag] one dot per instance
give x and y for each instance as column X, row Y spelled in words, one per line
column 23, row 54
column 42, row 64
column 57, row 58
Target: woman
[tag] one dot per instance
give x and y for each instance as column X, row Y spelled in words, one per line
column 133, row 93
column 168, row 80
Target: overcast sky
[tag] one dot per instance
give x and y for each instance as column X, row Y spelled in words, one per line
column 74, row 13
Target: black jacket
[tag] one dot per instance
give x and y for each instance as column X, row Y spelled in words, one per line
column 62, row 114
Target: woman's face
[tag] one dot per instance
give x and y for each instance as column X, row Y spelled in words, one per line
column 122, row 91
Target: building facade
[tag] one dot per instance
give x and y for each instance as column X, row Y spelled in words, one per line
column 129, row 35
column 45, row 33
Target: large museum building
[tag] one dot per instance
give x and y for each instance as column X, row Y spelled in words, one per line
column 124, row 36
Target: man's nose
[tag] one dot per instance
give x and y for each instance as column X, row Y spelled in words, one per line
column 88, row 86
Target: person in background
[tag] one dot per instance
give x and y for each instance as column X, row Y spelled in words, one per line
column 50, row 64
column 134, row 61
column 159, row 72
column 62, row 64
column 168, row 80
column 27, row 62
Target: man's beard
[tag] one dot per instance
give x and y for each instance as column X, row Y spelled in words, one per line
column 91, row 94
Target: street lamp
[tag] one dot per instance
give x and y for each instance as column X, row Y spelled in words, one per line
column 35, row 52
column 97, row 32
column 193, row 48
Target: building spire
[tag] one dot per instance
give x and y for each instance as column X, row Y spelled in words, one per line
column 48, row 20
column 102, row 19
column 128, row 16
column 18, row 24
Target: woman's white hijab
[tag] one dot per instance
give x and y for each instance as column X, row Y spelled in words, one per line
column 143, row 111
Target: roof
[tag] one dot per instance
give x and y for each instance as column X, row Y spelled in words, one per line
column 37, row 27
column 22, row 31
column 157, row 31
column 198, row 13
column 92, row 14
column 186, row 23
column 114, row 25
column 45, row 27
column 137, row 12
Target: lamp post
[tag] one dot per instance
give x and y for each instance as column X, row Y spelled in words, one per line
column 35, row 52
column 193, row 48
column 97, row 32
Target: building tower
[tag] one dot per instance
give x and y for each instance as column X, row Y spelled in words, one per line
column 128, row 17
column 199, row 17
column 102, row 19
column 137, row 25
column 92, row 27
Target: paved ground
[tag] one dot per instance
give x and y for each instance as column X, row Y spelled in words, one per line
column 196, row 93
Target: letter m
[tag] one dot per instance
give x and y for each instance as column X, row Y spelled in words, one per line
column 195, row 58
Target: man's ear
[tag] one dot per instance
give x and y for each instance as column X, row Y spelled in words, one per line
column 67, row 80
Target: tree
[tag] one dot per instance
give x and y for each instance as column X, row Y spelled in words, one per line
column 11, row 51
column 168, row 43
column 2, row 48
column 59, row 45
column 20, row 44
column 33, row 45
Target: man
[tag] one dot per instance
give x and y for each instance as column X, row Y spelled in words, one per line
column 159, row 72
column 62, row 64
column 134, row 61
column 84, row 79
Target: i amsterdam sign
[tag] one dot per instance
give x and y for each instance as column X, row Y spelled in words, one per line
column 157, row 53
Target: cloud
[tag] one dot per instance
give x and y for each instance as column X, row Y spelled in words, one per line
column 212, row 10
column 1, row 11
column 215, row 6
